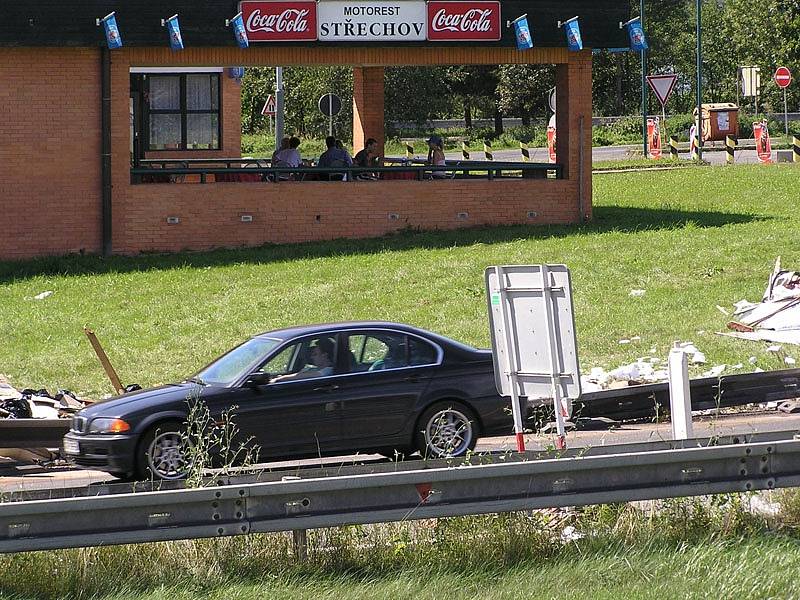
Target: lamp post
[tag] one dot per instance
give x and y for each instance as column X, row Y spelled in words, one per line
column 644, row 86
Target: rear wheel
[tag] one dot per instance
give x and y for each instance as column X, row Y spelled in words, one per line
column 163, row 452
column 446, row 429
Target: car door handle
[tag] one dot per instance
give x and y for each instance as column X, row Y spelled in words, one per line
column 327, row 388
column 412, row 379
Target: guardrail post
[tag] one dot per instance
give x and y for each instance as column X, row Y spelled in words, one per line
column 680, row 400
column 673, row 147
column 299, row 536
column 730, row 149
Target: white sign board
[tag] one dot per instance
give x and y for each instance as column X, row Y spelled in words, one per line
column 751, row 81
column 540, row 327
column 371, row 21
column 662, row 86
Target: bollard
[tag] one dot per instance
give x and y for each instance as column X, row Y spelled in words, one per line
column 673, row 148
column 487, row 150
column 526, row 155
column 464, row 151
column 409, row 151
column 795, row 149
column 680, row 400
column 730, row 149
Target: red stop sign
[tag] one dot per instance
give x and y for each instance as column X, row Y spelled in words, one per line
column 783, row 77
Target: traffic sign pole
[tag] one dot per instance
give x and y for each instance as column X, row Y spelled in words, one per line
column 782, row 78
column 785, row 114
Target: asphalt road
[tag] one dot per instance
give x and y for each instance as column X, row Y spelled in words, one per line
column 605, row 153
column 38, row 478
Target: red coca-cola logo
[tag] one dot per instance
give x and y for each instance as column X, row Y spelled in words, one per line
column 280, row 21
column 463, row 21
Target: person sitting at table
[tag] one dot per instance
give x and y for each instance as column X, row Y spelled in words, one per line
column 284, row 146
column 334, row 156
column 436, row 156
column 288, row 157
column 368, row 157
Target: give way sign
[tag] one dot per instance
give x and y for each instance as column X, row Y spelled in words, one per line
column 783, row 77
column 662, row 86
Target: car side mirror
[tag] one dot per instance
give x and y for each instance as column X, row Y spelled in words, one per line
column 259, row 378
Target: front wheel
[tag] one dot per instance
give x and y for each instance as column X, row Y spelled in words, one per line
column 163, row 453
column 446, row 429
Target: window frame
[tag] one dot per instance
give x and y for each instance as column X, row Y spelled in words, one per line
column 183, row 111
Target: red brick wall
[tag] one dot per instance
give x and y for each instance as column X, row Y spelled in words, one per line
column 368, row 107
column 50, row 181
column 49, row 151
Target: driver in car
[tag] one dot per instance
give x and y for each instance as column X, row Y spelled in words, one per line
column 321, row 362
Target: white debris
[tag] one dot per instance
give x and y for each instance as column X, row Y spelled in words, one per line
column 625, row 341
column 752, row 360
column 688, row 348
column 636, row 293
column 43, row 295
column 774, row 349
column 761, row 506
column 789, row 360
column 737, row 366
column 715, row 371
column 723, row 310
column 742, row 306
column 636, row 338
column 698, row 358
column 570, row 534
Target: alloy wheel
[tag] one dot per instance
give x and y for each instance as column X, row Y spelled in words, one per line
column 166, row 456
column 448, row 433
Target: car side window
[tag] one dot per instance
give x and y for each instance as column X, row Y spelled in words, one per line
column 282, row 363
column 305, row 359
column 420, row 352
column 391, row 351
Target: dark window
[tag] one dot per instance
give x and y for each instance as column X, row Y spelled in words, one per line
column 382, row 351
column 182, row 111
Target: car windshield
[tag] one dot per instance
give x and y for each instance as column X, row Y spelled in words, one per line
column 231, row 366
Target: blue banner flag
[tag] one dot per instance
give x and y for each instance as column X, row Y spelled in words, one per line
column 573, row 31
column 175, row 38
column 636, row 33
column 522, row 33
column 239, row 31
column 113, row 38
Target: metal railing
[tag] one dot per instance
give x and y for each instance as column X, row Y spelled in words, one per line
column 441, row 489
column 160, row 171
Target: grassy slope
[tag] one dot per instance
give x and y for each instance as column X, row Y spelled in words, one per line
column 693, row 238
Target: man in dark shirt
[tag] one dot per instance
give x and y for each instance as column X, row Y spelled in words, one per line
column 368, row 157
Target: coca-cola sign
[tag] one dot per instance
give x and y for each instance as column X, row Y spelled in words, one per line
column 463, row 21
column 280, row 21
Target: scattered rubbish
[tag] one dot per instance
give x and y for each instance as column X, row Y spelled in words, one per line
column 789, row 406
column 777, row 317
column 31, row 403
column 43, row 295
column 759, row 505
column 752, row 360
column 636, row 338
column 624, row 341
column 774, row 349
column 570, row 534
column 789, row 360
column 636, row 293
column 715, row 371
column 723, row 310
column 698, row 358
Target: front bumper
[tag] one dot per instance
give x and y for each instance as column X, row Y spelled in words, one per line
column 110, row 453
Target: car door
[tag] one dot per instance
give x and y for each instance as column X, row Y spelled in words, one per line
column 292, row 416
column 385, row 385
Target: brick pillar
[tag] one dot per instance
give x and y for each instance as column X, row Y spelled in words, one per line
column 573, row 103
column 367, row 106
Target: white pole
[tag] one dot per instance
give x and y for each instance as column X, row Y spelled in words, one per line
column 555, row 367
column 680, row 400
column 512, row 361
column 330, row 114
column 279, row 107
column 785, row 114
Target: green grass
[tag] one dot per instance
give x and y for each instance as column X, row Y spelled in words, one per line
column 692, row 238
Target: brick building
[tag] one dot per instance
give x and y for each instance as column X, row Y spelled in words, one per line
column 73, row 108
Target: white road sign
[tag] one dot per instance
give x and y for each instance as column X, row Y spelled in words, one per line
column 662, row 86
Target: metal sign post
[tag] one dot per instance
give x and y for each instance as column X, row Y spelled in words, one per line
column 783, row 77
column 330, row 105
column 533, row 340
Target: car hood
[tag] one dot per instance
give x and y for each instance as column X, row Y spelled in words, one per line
column 133, row 401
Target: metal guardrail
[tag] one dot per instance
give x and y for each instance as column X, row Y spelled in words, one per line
column 606, row 475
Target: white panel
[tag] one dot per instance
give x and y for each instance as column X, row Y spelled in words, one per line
column 371, row 21
column 527, row 335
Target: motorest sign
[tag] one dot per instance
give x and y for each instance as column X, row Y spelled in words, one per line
column 371, row 20
column 280, row 21
column 463, row 21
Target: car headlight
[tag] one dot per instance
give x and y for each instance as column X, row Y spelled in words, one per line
column 104, row 425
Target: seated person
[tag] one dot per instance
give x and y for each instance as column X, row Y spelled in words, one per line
column 436, row 156
column 368, row 157
column 394, row 358
column 320, row 359
column 334, row 156
column 288, row 157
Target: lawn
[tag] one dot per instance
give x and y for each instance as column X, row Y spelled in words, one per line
column 692, row 238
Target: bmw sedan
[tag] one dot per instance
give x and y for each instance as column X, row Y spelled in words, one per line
column 319, row 390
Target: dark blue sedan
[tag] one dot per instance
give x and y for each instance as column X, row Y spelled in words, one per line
column 309, row 391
